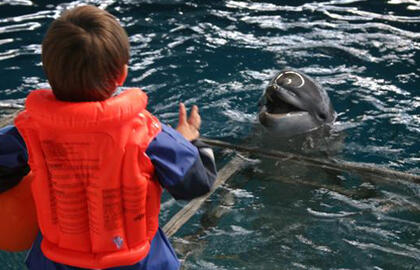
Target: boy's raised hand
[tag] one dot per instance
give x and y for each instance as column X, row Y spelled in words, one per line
column 189, row 128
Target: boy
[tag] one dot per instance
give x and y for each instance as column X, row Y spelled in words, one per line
column 99, row 160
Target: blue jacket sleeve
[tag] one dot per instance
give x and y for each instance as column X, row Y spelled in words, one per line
column 187, row 170
column 13, row 158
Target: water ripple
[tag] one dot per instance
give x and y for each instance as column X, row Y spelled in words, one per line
column 341, row 214
column 40, row 15
column 410, row 252
column 17, row 2
column 19, row 27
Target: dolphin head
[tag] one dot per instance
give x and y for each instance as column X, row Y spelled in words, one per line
column 293, row 104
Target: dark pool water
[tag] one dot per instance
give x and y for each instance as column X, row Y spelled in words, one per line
column 220, row 55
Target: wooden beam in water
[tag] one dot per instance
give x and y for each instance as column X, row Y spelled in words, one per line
column 191, row 208
column 8, row 120
column 332, row 164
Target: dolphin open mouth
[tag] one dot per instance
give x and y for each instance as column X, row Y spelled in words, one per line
column 284, row 119
column 277, row 108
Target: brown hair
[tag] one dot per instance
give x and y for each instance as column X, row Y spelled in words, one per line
column 84, row 53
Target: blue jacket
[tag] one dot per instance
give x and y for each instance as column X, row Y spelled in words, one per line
column 187, row 170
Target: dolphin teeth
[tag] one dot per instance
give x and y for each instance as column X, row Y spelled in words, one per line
column 275, row 115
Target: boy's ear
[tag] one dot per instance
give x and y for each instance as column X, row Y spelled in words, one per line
column 120, row 81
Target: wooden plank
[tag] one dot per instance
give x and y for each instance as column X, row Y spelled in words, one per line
column 8, row 120
column 191, row 208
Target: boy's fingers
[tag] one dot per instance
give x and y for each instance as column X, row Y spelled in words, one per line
column 182, row 114
column 195, row 109
column 194, row 112
column 195, row 118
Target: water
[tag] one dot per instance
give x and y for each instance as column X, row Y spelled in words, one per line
column 220, row 55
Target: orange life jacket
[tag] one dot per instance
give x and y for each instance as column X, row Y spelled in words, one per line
column 18, row 224
column 96, row 196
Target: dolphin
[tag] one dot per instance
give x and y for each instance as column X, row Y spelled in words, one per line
column 293, row 103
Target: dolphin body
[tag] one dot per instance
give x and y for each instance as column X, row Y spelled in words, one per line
column 294, row 104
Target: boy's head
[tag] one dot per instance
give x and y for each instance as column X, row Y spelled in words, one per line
column 84, row 55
